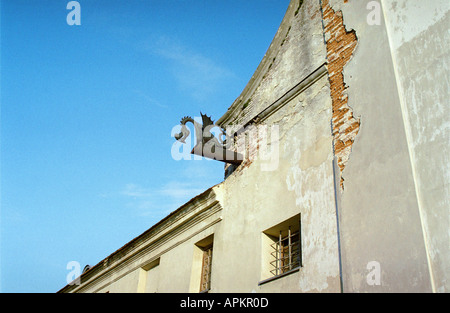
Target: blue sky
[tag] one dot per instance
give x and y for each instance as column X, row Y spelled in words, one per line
column 87, row 113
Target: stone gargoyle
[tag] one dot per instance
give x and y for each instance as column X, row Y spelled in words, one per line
column 208, row 145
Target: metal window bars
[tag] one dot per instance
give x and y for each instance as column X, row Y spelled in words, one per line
column 286, row 254
column 205, row 283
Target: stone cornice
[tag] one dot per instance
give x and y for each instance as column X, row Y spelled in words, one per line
column 175, row 224
column 290, row 94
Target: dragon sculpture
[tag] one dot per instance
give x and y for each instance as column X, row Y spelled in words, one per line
column 207, row 144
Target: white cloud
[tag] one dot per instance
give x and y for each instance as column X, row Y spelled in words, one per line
column 147, row 99
column 136, row 191
column 180, row 190
column 159, row 201
column 199, row 75
column 146, row 201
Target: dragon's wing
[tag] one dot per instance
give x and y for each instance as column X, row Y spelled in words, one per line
column 206, row 120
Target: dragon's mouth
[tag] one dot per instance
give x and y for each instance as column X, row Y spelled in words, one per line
column 179, row 137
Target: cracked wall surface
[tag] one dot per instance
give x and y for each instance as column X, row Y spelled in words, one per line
column 302, row 179
column 340, row 46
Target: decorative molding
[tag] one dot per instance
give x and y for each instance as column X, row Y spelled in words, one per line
column 306, row 82
column 158, row 255
column 175, row 224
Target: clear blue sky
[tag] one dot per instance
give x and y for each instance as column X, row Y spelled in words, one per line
column 87, row 113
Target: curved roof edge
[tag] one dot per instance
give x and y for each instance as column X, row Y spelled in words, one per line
column 262, row 68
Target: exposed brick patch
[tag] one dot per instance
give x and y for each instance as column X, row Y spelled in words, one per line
column 248, row 148
column 340, row 46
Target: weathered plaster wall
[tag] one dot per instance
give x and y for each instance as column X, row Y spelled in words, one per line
column 420, row 42
column 379, row 214
column 296, row 51
column 126, row 284
column 255, row 200
column 302, row 180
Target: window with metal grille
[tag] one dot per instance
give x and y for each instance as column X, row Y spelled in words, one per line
column 286, row 252
column 282, row 252
column 205, row 283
